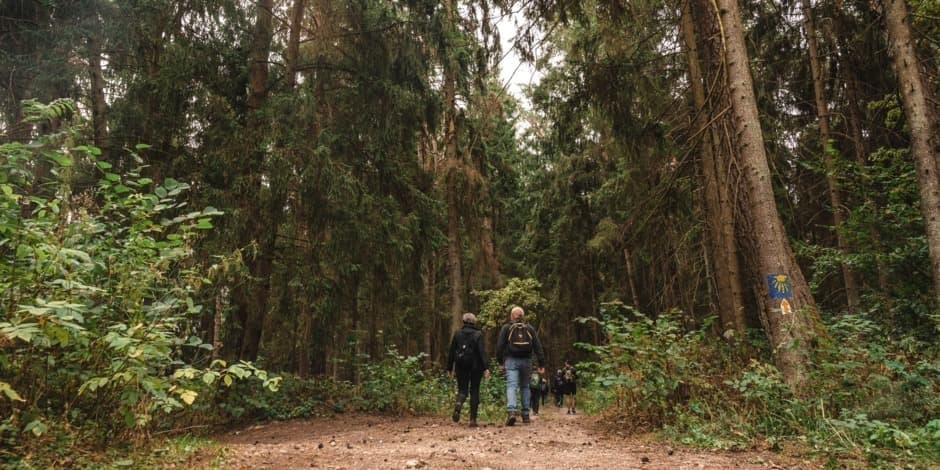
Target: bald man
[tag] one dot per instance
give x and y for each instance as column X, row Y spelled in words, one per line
column 515, row 345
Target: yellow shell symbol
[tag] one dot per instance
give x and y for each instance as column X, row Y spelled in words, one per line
column 781, row 283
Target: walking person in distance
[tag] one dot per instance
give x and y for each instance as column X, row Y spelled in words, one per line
column 535, row 391
column 570, row 385
column 468, row 362
column 558, row 383
column 516, row 343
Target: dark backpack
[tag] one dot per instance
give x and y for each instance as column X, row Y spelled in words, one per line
column 466, row 351
column 569, row 375
column 520, row 339
column 535, row 382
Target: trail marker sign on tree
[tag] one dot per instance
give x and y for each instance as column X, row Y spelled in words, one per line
column 779, row 286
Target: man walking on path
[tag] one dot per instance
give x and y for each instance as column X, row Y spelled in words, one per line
column 467, row 359
column 514, row 347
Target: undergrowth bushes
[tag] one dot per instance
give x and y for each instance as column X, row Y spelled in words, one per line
column 870, row 396
column 97, row 334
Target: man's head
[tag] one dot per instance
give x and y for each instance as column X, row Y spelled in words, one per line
column 516, row 313
column 470, row 318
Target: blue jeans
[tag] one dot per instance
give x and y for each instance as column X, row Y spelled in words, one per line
column 518, row 370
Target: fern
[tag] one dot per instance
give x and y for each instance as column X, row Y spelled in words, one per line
column 58, row 109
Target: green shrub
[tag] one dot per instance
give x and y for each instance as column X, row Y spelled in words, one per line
column 399, row 384
column 871, row 396
column 98, row 289
column 649, row 365
column 296, row 397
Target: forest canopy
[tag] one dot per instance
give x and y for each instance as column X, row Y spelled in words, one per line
column 706, row 203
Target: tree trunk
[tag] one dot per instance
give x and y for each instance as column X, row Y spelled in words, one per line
column 628, row 261
column 790, row 330
column 260, row 48
column 719, row 211
column 217, row 327
column 489, row 250
column 259, row 229
column 453, row 258
column 921, row 113
column 829, row 155
column 293, row 42
column 452, row 167
column 99, row 107
column 430, row 307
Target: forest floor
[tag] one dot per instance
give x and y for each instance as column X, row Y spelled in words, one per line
column 554, row 439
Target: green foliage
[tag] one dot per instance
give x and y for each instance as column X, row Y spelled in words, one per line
column 497, row 303
column 869, row 397
column 398, row 384
column 295, row 398
column 39, row 112
column 649, row 365
column 886, row 232
column 98, row 298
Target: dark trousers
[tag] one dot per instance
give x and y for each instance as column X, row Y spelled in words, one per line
column 536, row 399
column 468, row 384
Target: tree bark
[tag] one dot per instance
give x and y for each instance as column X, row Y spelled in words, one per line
column 921, row 113
column 790, row 332
column 430, row 307
column 293, row 42
column 452, row 167
column 454, row 264
column 489, row 249
column 628, row 261
column 718, row 207
column 217, row 327
column 99, row 106
column 259, row 229
column 835, row 190
column 260, row 48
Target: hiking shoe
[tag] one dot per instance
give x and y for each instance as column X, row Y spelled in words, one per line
column 525, row 419
column 456, row 415
column 511, row 419
column 473, row 423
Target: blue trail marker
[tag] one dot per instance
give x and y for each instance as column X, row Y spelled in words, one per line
column 779, row 285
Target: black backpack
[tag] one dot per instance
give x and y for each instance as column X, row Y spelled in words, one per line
column 569, row 375
column 520, row 339
column 466, row 351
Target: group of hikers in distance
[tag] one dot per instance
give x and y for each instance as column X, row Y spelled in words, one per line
column 515, row 345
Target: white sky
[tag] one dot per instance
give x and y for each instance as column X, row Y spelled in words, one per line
column 512, row 70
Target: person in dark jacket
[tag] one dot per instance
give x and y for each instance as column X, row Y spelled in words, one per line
column 558, row 385
column 543, row 389
column 535, row 391
column 516, row 343
column 570, row 387
column 467, row 360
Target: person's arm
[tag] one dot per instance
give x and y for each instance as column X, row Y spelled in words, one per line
column 501, row 345
column 537, row 346
column 450, row 354
column 481, row 353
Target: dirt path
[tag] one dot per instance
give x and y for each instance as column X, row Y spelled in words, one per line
column 553, row 440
